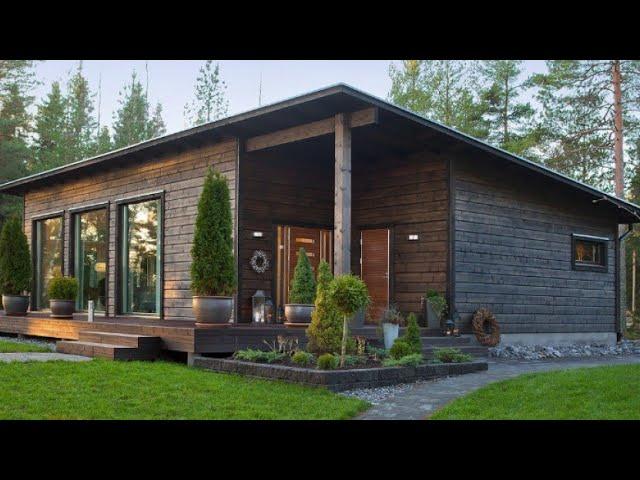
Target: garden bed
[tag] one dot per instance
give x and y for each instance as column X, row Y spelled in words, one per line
column 343, row 379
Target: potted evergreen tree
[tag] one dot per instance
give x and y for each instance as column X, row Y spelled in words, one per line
column 213, row 276
column 302, row 293
column 62, row 293
column 15, row 268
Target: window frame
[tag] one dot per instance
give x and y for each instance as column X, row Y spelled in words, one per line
column 589, row 267
column 73, row 212
column 35, row 253
column 119, row 205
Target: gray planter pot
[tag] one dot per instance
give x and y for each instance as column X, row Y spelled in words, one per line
column 213, row 310
column 357, row 321
column 62, row 308
column 298, row 312
column 16, row 305
column 433, row 322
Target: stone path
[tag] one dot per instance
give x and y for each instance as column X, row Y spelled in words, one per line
column 40, row 357
column 422, row 399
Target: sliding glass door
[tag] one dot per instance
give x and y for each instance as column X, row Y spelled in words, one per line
column 48, row 251
column 90, row 257
column 141, row 242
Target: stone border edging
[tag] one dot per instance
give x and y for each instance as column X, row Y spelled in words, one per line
column 339, row 380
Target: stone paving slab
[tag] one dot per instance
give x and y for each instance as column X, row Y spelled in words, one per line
column 422, row 399
column 40, row 357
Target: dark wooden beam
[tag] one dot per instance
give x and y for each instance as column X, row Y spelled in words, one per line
column 325, row 126
column 342, row 205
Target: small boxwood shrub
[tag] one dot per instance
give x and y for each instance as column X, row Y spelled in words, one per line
column 328, row 362
column 62, row 288
column 304, row 359
column 378, row 353
column 303, row 284
column 450, row 355
column 399, row 349
column 412, row 360
column 15, row 259
column 251, row 355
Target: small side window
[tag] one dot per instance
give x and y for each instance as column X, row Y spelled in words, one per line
column 589, row 253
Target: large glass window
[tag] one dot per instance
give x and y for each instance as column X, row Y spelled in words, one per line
column 589, row 253
column 140, row 257
column 48, row 257
column 90, row 262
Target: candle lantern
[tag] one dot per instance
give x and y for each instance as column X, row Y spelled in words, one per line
column 449, row 327
column 259, row 303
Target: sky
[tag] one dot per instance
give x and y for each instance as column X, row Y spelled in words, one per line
column 172, row 81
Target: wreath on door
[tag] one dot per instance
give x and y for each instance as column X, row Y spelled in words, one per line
column 485, row 327
column 259, row 261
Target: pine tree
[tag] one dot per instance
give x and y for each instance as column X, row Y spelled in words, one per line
column 210, row 101
column 303, row 284
column 156, row 124
column 81, row 125
column 15, row 259
column 325, row 330
column 50, row 144
column 103, row 142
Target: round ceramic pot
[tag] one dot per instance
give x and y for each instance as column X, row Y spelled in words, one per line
column 62, row 308
column 16, row 305
column 298, row 312
column 213, row 310
column 390, row 331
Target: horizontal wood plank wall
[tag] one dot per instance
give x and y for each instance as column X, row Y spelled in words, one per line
column 409, row 194
column 180, row 175
column 278, row 188
column 513, row 253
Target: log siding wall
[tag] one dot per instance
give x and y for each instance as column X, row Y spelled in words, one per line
column 513, row 253
column 179, row 175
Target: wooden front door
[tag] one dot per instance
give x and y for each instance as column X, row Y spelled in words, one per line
column 374, row 264
column 317, row 243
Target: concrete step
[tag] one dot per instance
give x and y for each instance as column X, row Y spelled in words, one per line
column 474, row 350
column 445, row 341
column 130, row 340
column 104, row 350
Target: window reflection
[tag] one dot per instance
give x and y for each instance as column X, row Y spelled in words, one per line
column 49, row 256
column 91, row 258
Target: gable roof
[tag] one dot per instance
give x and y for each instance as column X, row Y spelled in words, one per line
column 301, row 109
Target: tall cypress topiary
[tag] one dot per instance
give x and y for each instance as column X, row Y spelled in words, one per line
column 212, row 266
column 303, row 285
column 412, row 335
column 325, row 330
column 15, row 259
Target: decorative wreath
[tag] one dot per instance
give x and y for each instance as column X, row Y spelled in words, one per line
column 485, row 327
column 259, row 261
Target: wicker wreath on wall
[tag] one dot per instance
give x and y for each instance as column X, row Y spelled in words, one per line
column 485, row 327
column 259, row 261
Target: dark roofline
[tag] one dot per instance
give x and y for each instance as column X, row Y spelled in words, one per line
column 317, row 94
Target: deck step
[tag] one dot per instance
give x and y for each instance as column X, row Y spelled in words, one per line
column 127, row 339
column 104, row 350
column 446, row 341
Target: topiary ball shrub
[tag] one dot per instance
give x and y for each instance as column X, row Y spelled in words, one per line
column 412, row 335
column 399, row 349
column 212, row 266
column 15, row 259
column 303, row 284
column 303, row 359
column 328, row 362
column 325, row 331
column 62, row 288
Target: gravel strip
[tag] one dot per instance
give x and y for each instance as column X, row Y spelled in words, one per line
column 541, row 352
column 51, row 345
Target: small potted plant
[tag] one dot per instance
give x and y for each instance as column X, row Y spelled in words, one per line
column 62, row 292
column 435, row 309
column 213, row 277
column 303, row 291
column 15, row 268
column 391, row 320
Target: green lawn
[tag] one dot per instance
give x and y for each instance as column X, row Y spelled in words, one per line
column 7, row 346
column 587, row 393
column 102, row 389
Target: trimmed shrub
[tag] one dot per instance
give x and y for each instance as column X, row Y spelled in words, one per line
column 328, row 362
column 412, row 335
column 251, row 355
column 349, row 294
column 62, row 288
column 413, row 360
column 304, row 359
column 15, row 259
column 303, row 284
column 212, row 266
column 450, row 355
column 399, row 349
column 325, row 331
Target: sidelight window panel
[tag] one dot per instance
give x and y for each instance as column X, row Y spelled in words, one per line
column 48, row 250
column 90, row 262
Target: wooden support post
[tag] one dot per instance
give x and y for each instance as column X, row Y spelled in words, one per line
column 342, row 205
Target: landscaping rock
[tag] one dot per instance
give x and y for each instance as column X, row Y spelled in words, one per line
column 541, row 352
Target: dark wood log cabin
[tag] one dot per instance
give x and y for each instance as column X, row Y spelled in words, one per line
column 406, row 203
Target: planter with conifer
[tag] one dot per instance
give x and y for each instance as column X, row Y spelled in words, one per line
column 15, row 268
column 303, row 292
column 213, row 276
